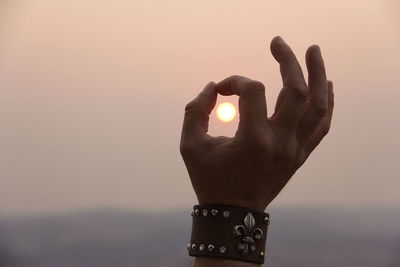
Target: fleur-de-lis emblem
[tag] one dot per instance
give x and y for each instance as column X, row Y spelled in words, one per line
column 248, row 235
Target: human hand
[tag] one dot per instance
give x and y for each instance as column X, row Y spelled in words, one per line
column 250, row 169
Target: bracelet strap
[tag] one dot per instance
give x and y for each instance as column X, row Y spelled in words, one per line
column 229, row 232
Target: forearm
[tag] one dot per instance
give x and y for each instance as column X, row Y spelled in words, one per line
column 214, row 262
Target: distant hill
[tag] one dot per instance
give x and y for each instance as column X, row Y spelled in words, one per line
column 297, row 237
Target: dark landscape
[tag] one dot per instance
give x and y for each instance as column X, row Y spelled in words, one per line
column 116, row 238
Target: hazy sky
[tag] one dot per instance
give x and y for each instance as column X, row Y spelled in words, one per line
column 92, row 96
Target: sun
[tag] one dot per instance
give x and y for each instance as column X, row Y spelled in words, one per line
column 226, row 112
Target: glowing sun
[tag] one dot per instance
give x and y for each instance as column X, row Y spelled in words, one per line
column 226, row 112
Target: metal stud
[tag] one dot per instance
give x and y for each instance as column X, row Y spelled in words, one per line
column 201, row 247
column 222, row 249
column 214, row 212
column 205, row 213
column 226, row 214
column 262, row 254
column 196, row 212
column 188, row 246
column 211, row 247
column 266, row 220
column 194, row 246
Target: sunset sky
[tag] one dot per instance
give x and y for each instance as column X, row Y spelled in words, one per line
column 92, row 95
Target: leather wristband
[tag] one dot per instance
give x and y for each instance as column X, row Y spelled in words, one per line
column 228, row 232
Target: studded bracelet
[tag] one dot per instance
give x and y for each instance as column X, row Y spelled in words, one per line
column 229, row 232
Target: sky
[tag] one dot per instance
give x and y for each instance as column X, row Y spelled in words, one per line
column 92, row 95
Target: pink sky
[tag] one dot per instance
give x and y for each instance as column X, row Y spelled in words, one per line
column 92, row 97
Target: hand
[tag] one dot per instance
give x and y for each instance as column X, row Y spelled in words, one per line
column 251, row 168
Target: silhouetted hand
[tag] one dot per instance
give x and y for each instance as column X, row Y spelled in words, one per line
column 251, row 168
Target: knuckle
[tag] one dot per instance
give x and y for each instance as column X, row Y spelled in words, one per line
column 254, row 144
column 300, row 92
column 195, row 106
column 258, row 141
column 191, row 105
column 255, row 86
column 320, row 110
column 235, row 77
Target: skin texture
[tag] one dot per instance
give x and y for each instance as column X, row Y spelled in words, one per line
column 251, row 168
